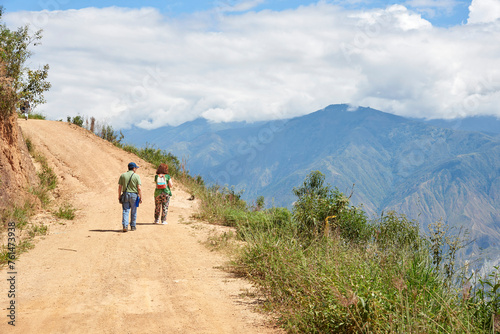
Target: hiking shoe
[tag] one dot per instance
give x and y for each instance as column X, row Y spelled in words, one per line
column 125, row 229
column 164, row 222
column 157, row 221
column 132, row 228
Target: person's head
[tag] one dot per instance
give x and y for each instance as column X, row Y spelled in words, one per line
column 132, row 166
column 162, row 169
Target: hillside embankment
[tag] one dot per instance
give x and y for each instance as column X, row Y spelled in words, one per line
column 87, row 276
column 17, row 172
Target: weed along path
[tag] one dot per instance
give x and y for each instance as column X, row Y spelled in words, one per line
column 86, row 276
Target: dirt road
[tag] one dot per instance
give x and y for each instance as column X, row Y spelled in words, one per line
column 89, row 277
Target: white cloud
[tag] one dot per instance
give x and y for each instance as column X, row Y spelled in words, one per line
column 433, row 7
column 395, row 16
column 484, row 11
column 227, row 6
column 139, row 67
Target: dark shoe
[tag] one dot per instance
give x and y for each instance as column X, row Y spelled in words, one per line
column 132, row 228
column 125, row 229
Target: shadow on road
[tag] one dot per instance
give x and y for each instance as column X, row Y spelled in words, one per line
column 117, row 231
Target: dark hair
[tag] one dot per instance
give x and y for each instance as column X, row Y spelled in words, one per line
column 162, row 169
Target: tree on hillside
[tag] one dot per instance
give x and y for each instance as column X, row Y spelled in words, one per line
column 319, row 209
column 27, row 84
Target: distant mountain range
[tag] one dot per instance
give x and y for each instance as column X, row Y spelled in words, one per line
column 428, row 170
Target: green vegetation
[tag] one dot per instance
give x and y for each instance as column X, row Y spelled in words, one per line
column 326, row 268
column 47, row 177
column 36, row 115
column 156, row 156
column 37, row 230
column 77, row 120
column 66, row 211
column 20, row 215
column 19, row 83
column 25, row 230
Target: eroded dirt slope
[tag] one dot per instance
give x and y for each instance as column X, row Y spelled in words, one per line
column 16, row 170
column 89, row 277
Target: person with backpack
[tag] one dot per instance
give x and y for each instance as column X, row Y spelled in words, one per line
column 25, row 109
column 163, row 193
column 129, row 195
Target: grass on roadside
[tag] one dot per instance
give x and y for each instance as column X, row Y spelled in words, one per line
column 47, row 177
column 325, row 268
column 67, row 211
column 24, row 230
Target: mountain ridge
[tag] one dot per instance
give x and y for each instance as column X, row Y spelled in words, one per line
column 389, row 162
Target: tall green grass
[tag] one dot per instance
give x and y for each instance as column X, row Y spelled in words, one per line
column 47, row 177
column 325, row 268
column 24, row 231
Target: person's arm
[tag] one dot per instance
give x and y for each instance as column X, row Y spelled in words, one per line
column 170, row 184
column 119, row 191
column 139, row 191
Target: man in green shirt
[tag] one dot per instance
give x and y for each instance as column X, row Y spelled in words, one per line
column 130, row 183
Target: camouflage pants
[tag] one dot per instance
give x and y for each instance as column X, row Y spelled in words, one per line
column 161, row 204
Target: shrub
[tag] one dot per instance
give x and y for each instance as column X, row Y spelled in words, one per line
column 77, row 120
column 47, row 177
column 319, row 210
column 110, row 135
column 66, row 212
column 29, row 145
column 395, row 231
column 221, row 205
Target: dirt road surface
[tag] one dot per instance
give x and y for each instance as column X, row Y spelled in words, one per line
column 87, row 276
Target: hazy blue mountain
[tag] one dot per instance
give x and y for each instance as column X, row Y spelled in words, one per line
column 426, row 171
column 168, row 135
column 487, row 124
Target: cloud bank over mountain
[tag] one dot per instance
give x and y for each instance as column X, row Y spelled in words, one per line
column 143, row 67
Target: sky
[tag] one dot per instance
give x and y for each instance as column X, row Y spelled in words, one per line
column 154, row 63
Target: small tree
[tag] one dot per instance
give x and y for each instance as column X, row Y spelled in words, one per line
column 259, row 203
column 318, row 204
column 111, row 135
column 313, row 186
column 28, row 84
column 78, row 120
